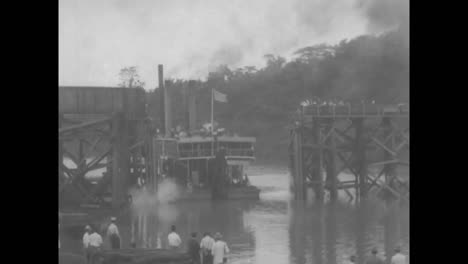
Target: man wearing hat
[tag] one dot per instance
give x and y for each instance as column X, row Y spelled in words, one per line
column 86, row 243
column 398, row 258
column 219, row 250
column 94, row 245
column 113, row 234
column 374, row 259
column 173, row 239
column 194, row 248
column 206, row 245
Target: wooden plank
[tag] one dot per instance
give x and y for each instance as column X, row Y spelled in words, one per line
column 394, row 161
column 330, row 165
column 93, row 163
column 138, row 144
column 83, row 125
column 383, row 146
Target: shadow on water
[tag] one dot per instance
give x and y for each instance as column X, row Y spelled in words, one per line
column 333, row 232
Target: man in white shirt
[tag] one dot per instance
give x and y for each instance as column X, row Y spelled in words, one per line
column 94, row 245
column 86, row 242
column 174, row 239
column 219, row 250
column 206, row 245
column 398, row 258
column 113, row 234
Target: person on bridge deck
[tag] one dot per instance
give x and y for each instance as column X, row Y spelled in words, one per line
column 86, row 243
column 219, row 250
column 94, row 246
column 113, row 234
column 194, row 249
column 398, row 258
column 206, row 245
column 173, row 239
column 374, row 259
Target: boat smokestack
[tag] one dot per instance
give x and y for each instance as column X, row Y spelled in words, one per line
column 162, row 99
column 191, row 107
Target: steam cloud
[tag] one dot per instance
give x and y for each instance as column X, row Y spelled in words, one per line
column 144, row 199
column 192, row 37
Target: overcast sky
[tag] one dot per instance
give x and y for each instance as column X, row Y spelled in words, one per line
column 190, row 37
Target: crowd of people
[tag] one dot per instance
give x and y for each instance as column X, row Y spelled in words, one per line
column 93, row 242
column 374, row 258
column 210, row 250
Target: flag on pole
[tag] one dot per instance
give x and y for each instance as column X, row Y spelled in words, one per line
column 220, row 97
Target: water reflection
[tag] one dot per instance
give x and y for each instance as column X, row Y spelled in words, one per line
column 274, row 229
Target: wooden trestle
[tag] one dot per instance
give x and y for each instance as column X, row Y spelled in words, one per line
column 370, row 142
column 108, row 130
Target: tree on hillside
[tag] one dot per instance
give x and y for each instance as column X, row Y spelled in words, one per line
column 316, row 52
column 129, row 78
column 274, row 62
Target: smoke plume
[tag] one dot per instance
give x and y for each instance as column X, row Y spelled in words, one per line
column 192, row 37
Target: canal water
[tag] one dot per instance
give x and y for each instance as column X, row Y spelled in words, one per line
column 272, row 230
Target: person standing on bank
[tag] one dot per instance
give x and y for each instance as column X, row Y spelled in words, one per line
column 398, row 258
column 219, row 250
column 206, row 245
column 173, row 239
column 374, row 259
column 86, row 243
column 113, row 234
column 94, row 246
column 194, row 249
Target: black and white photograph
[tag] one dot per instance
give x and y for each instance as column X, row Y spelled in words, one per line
column 233, row 132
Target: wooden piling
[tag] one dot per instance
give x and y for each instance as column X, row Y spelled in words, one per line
column 300, row 185
column 81, row 157
column 330, row 164
column 120, row 160
column 361, row 161
column 60, row 150
column 317, row 176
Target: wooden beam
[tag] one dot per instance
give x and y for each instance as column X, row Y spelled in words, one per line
column 138, row 144
column 344, row 135
column 83, row 125
column 375, row 180
column 383, row 146
column 99, row 159
column 394, row 161
column 397, row 194
column 346, row 164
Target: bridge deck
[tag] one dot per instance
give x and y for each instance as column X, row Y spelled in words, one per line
column 77, row 102
column 360, row 110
